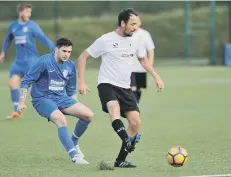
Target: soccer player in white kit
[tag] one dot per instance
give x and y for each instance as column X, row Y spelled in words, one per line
column 117, row 49
column 139, row 74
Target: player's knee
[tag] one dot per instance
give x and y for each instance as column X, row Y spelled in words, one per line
column 13, row 84
column 89, row 116
column 60, row 120
column 137, row 122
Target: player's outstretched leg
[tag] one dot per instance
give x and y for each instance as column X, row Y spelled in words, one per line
column 121, row 159
column 85, row 116
column 126, row 145
column 119, row 128
column 114, row 112
column 14, row 92
column 134, row 137
column 59, row 119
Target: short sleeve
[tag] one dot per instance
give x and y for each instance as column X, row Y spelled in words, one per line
column 141, row 51
column 97, row 48
column 149, row 42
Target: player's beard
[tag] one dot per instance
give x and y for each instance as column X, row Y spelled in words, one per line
column 59, row 60
column 127, row 34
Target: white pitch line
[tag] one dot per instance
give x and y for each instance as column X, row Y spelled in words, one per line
column 221, row 175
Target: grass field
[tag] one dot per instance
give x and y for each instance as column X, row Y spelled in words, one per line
column 194, row 111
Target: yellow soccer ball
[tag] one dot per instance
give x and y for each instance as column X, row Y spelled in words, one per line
column 177, row 156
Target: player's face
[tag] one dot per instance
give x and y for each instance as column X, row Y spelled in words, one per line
column 131, row 26
column 64, row 53
column 25, row 14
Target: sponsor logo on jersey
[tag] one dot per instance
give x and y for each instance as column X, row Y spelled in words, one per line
column 54, row 82
column 20, row 39
column 56, row 85
column 115, row 44
column 127, row 55
column 65, row 73
column 25, row 29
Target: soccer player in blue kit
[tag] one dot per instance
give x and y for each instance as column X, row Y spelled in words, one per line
column 22, row 31
column 53, row 92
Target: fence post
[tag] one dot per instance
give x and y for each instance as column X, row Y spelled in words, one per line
column 229, row 6
column 212, row 32
column 187, row 28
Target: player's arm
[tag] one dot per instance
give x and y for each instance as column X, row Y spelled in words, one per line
column 71, row 85
column 95, row 50
column 82, row 61
column 6, row 44
column 39, row 34
column 22, row 105
column 150, row 69
column 150, row 55
column 150, row 47
column 32, row 76
column 146, row 63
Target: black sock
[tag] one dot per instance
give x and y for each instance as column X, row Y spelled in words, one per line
column 122, row 154
column 138, row 93
column 119, row 128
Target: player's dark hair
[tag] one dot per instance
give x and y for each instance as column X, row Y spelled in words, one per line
column 125, row 14
column 21, row 7
column 63, row 41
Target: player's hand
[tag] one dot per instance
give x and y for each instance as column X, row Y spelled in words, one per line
column 21, row 107
column 2, row 57
column 83, row 88
column 159, row 84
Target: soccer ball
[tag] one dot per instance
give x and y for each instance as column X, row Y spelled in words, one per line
column 177, row 156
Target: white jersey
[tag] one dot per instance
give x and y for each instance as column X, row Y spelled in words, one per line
column 118, row 59
column 148, row 45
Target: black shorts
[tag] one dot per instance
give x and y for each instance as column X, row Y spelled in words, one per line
column 139, row 80
column 125, row 98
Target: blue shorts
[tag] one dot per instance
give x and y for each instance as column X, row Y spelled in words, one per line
column 46, row 106
column 21, row 69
